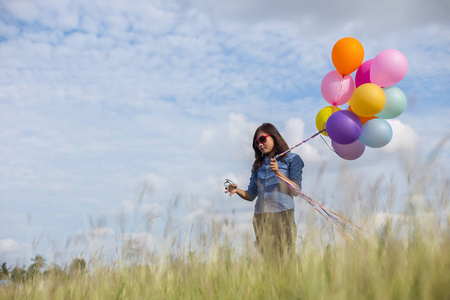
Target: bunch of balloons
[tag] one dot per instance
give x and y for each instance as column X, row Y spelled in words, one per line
column 371, row 98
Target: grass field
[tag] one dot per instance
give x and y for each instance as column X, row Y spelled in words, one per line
column 405, row 256
column 384, row 267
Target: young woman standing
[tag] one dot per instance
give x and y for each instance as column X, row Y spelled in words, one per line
column 273, row 220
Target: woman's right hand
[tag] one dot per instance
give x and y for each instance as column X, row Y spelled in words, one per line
column 231, row 189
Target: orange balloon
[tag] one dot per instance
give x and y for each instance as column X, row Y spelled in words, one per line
column 363, row 119
column 347, row 55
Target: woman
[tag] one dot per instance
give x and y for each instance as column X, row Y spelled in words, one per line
column 273, row 219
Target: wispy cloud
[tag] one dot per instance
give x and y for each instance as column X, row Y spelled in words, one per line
column 315, row 17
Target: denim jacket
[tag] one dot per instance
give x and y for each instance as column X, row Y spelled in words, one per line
column 272, row 194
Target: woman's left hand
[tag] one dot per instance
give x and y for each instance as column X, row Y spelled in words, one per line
column 274, row 165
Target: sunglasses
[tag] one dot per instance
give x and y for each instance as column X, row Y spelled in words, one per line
column 262, row 139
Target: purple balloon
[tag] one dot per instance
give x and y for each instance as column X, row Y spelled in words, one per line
column 344, row 127
column 350, row 151
column 363, row 74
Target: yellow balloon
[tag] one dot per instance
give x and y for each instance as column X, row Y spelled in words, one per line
column 322, row 117
column 368, row 100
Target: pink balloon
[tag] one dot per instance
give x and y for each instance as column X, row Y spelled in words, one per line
column 363, row 74
column 336, row 88
column 388, row 68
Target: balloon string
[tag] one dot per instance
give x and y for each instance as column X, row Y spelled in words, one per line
column 292, row 148
column 339, row 222
column 340, row 90
column 327, row 144
column 325, row 123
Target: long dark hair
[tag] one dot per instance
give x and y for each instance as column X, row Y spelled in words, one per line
column 280, row 144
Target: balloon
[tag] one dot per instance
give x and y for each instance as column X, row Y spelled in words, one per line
column 350, row 151
column 388, row 68
column 363, row 119
column 376, row 133
column 336, row 88
column 368, row 100
column 395, row 103
column 323, row 115
column 344, row 127
column 363, row 74
column 347, row 55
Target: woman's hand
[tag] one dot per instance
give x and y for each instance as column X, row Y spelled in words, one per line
column 231, row 189
column 274, row 166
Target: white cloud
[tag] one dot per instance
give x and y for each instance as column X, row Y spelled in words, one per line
column 139, row 241
column 23, row 10
column 404, row 139
column 294, row 131
column 315, row 17
column 100, row 232
column 136, row 206
column 154, row 182
column 207, row 136
column 295, row 134
column 239, row 136
column 8, row 245
column 197, row 215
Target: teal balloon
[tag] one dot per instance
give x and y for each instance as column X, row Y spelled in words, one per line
column 395, row 103
column 376, row 133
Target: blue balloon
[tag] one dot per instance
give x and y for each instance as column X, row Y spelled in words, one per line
column 376, row 133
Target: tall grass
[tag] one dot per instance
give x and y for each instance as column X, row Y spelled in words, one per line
column 405, row 256
column 384, row 267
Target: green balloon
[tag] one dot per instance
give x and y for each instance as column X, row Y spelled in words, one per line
column 395, row 103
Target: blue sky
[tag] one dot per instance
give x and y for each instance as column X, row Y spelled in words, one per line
column 111, row 110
